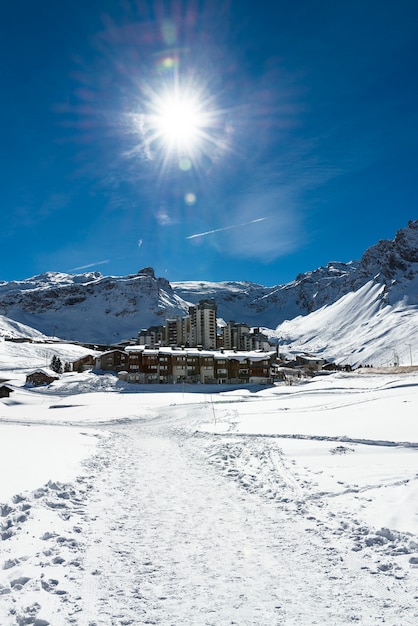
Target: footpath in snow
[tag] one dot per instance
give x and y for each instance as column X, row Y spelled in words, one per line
column 183, row 516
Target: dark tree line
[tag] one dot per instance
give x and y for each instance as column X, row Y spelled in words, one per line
column 56, row 365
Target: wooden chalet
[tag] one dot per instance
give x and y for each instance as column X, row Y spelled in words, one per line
column 5, row 391
column 41, row 377
column 112, row 360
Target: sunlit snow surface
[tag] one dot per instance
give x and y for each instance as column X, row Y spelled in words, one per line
column 357, row 329
column 199, row 505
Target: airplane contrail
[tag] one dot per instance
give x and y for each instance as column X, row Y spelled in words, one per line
column 218, row 230
column 84, row 267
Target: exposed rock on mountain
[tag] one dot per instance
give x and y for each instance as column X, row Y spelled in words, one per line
column 393, row 264
column 90, row 307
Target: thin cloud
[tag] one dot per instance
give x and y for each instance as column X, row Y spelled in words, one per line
column 218, row 230
column 85, row 267
column 163, row 218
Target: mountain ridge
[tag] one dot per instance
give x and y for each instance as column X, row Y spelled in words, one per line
column 91, row 307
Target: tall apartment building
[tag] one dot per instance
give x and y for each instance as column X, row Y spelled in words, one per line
column 171, row 333
column 199, row 329
column 177, row 331
column 234, row 334
column 239, row 336
column 152, row 336
column 256, row 340
column 203, row 324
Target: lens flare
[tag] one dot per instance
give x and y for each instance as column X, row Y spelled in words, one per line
column 190, row 199
column 185, row 164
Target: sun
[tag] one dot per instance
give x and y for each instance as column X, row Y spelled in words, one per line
column 179, row 122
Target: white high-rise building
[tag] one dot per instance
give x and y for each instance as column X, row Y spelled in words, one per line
column 203, row 324
column 234, row 335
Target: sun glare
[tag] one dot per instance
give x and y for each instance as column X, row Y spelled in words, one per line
column 179, row 122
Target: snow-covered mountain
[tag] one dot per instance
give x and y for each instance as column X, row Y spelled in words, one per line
column 390, row 263
column 361, row 328
column 368, row 316
column 90, row 307
column 94, row 308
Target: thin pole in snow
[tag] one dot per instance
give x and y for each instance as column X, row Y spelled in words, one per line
column 213, row 410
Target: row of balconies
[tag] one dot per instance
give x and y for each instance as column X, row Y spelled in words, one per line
column 153, row 377
column 177, row 368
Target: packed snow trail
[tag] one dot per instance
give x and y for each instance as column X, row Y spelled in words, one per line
column 171, row 541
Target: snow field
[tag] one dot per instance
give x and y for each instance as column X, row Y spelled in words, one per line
column 127, row 505
column 31, row 455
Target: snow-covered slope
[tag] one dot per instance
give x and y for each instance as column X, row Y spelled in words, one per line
column 360, row 328
column 10, row 329
column 375, row 320
column 18, row 359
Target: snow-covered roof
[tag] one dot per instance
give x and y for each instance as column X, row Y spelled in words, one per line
column 310, row 358
column 109, row 352
column 43, row 370
column 239, row 355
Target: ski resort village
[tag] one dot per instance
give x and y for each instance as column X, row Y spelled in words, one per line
column 163, row 465
column 189, row 349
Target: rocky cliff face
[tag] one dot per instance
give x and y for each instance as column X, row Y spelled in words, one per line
column 91, row 307
column 393, row 263
column 94, row 308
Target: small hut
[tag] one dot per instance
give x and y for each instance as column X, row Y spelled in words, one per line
column 5, row 391
column 41, row 377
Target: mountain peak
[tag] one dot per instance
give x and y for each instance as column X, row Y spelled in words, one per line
column 147, row 271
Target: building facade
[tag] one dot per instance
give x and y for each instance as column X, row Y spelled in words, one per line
column 239, row 336
column 193, row 365
column 203, row 329
column 199, row 330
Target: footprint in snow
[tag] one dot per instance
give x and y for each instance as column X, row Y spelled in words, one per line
column 19, row 583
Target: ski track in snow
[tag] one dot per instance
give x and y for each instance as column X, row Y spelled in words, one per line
column 172, row 529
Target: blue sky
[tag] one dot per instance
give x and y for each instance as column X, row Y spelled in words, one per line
column 305, row 150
